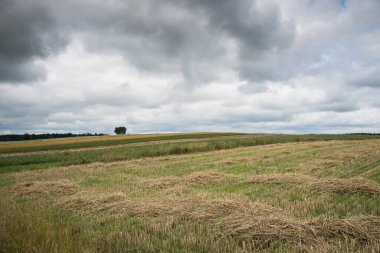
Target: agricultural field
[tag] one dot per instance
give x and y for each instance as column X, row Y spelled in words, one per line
column 200, row 192
column 100, row 141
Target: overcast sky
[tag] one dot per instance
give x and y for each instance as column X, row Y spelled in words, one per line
column 303, row 66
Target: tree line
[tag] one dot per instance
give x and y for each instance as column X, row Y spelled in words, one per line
column 363, row 133
column 26, row 136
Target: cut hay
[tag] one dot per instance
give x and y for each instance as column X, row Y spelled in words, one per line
column 162, row 181
column 257, row 225
column 350, row 186
column 286, row 178
column 234, row 161
column 206, row 177
column 36, row 188
column 192, row 179
column 356, row 185
column 363, row 228
column 93, row 205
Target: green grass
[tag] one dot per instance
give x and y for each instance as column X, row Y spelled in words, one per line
column 43, row 230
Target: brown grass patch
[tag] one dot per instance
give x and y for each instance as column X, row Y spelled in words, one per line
column 264, row 228
column 206, row 177
column 36, row 188
column 162, row 181
column 318, row 164
column 364, row 228
column 192, row 179
column 355, row 185
column 234, row 161
column 351, row 186
column 254, row 224
column 286, row 178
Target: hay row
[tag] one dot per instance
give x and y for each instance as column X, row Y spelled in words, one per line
column 254, row 224
column 355, row 185
column 192, row 179
column 37, row 188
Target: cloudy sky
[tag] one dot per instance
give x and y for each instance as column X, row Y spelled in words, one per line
column 284, row 66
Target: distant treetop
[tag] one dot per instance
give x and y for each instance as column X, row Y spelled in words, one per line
column 120, row 130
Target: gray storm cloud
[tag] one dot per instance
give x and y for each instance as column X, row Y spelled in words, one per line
column 184, row 36
column 176, row 65
column 27, row 32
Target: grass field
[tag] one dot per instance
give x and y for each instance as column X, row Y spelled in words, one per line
column 85, row 142
column 258, row 193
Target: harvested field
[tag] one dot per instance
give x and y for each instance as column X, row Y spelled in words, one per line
column 329, row 185
column 192, row 179
column 315, row 196
column 36, row 188
column 85, row 143
column 48, row 142
column 253, row 224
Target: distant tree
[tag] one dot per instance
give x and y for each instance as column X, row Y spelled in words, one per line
column 27, row 136
column 120, row 130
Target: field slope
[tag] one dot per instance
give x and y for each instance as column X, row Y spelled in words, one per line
column 244, row 193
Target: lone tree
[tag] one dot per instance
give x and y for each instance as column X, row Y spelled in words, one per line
column 120, row 130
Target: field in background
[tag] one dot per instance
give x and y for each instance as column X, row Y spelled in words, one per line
column 108, row 140
column 276, row 193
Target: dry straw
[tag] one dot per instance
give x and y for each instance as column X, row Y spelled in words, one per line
column 36, row 188
column 355, row 185
column 252, row 224
column 192, row 179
